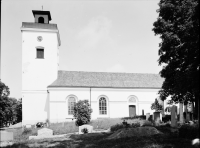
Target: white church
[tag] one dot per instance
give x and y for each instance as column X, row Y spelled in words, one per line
column 49, row 93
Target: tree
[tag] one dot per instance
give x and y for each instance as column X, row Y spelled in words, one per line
column 178, row 27
column 10, row 108
column 82, row 112
column 156, row 106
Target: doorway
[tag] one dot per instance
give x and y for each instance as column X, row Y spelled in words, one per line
column 132, row 110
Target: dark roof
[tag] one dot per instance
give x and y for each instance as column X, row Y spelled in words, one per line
column 107, row 80
column 42, row 12
column 39, row 26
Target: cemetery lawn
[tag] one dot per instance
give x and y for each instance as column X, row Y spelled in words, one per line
column 99, row 140
column 168, row 139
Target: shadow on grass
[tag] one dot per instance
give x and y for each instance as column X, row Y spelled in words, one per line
column 99, row 140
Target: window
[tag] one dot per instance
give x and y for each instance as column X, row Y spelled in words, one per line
column 102, row 106
column 71, row 103
column 40, row 53
column 132, row 100
column 41, row 20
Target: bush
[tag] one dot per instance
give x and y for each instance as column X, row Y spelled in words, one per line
column 27, row 131
column 166, row 118
column 84, row 130
column 146, row 123
column 40, row 124
column 82, row 112
column 189, row 131
column 135, row 125
column 116, row 127
column 150, row 118
column 135, row 117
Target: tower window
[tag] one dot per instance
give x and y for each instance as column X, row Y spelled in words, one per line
column 41, row 20
column 40, row 53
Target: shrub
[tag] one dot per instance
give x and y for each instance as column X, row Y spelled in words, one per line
column 189, row 131
column 40, row 124
column 84, row 130
column 116, row 127
column 82, row 112
column 135, row 117
column 150, row 118
column 156, row 106
column 166, row 118
column 135, row 125
column 27, row 131
column 146, row 123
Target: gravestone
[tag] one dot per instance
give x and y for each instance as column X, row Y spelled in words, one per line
column 28, row 126
column 187, row 117
column 6, row 136
column 174, row 116
column 89, row 128
column 142, row 112
column 45, row 132
column 147, row 116
column 156, row 116
column 181, row 118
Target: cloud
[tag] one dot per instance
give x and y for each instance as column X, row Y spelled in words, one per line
column 95, row 33
column 116, row 68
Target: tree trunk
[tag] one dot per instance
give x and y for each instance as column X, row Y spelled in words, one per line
column 196, row 107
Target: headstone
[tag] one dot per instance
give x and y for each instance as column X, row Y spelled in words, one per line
column 6, row 136
column 147, row 116
column 89, row 128
column 156, row 116
column 174, row 116
column 45, row 132
column 181, row 118
column 142, row 112
column 187, row 117
column 156, row 119
column 28, row 126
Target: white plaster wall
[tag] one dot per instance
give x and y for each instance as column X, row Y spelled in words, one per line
column 34, row 107
column 118, row 105
column 37, row 74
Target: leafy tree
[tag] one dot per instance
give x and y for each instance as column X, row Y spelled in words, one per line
column 4, row 90
column 156, row 106
column 18, row 110
column 10, row 108
column 82, row 112
column 178, row 27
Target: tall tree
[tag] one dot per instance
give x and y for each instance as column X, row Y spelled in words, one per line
column 178, row 27
column 10, row 108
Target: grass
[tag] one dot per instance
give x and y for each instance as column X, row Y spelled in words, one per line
column 99, row 140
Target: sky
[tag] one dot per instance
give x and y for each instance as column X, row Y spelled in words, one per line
column 96, row 35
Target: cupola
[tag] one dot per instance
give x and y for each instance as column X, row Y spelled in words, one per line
column 42, row 17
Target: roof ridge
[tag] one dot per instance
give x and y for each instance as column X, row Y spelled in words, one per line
column 108, row 72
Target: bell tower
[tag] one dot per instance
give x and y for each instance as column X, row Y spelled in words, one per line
column 40, row 62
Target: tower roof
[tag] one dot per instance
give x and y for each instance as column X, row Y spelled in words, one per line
column 42, row 12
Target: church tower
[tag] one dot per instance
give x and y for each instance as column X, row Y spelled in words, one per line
column 40, row 62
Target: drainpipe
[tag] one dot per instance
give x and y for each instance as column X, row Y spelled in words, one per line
column 90, row 97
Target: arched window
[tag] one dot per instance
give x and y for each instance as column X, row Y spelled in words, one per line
column 132, row 100
column 41, row 20
column 102, row 106
column 71, row 103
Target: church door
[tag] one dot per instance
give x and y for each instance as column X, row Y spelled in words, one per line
column 132, row 110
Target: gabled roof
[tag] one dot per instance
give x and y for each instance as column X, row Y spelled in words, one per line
column 107, row 80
